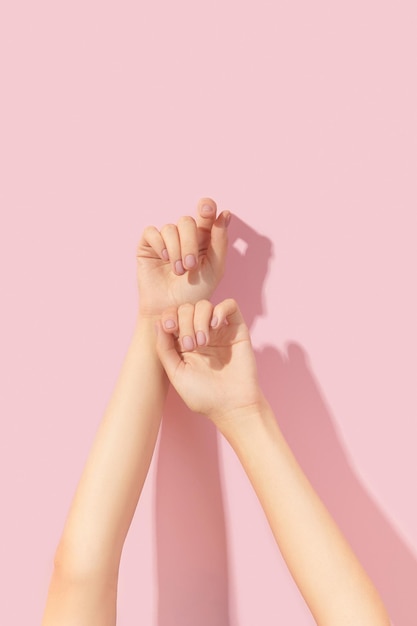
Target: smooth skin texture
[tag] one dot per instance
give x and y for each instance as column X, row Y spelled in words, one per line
column 207, row 354
column 178, row 264
column 219, row 380
column 164, row 257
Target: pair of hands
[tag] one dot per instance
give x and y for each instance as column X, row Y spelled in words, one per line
column 206, row 350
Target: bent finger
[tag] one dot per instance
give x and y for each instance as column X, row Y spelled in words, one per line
column 187, row 232
column 217, row 249
column 151, row 241
column 186, row 327
column 169, row 319
column 226, row 312
column 169, row 234
column 202, row 315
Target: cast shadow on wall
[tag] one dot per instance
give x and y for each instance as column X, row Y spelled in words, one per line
column 190, row 524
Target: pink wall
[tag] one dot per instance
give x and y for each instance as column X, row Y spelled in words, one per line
column 300, row 118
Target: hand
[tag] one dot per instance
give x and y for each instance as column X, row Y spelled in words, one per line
column 183, row 262
column 207, row 354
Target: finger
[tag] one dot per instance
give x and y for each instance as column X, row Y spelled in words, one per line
column 169, row 234
column 187, row 231
column 206, row 213
column 226, row 312
column 202, row 315
column 169, row 319
column 217, row 249
column 186, row 327
column 152, row 238
column 165, row 348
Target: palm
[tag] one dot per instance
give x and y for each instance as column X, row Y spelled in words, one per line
column 222, row 374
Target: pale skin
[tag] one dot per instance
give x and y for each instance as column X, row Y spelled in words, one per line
column 83, row 588
column 219, row 379
column 206, row 354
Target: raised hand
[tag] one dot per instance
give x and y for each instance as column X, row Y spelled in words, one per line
column 207, row 354
column 182, row 262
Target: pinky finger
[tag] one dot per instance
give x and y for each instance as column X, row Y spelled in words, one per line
column 153, row 238
column 226, row 312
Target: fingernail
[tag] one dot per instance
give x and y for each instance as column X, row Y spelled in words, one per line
column 207, row 209
column 227, row 219
column 169, row 324
column 187, row 343
column 164, row 254
column 201, row 338
column 190, row 261
column 214, row 321
column 179, row 267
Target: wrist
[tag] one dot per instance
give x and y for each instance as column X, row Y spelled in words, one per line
column 231, row 422
column 145, row 326
column 145, row 337
column 251, row 431
column 145, row 315
column 144, row 333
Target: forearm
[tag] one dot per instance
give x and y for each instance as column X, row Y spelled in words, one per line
column 328, row 574
column 112, row 480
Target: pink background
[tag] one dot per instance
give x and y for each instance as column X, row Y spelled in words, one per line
column 299, row 117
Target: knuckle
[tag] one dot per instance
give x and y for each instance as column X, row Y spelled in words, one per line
column 149, row 231
column 186, row 220
column 168, row 229
column 186, row 307
column 147, row 236
column 204, row 304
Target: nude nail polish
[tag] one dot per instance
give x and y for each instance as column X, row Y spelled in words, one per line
column 187, row 343
column 190, row 261
column 179, row 267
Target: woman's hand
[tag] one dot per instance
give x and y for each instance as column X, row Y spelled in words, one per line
column 183, row 262
column 207, row 354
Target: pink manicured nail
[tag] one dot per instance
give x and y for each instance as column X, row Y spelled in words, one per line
column 187, row 343
column 190, row 261
column 227, row 219
column 214, row 321
column 164, row 254
column 201, row 338
column 179, row 267
column 169, row 324
column 207, row 209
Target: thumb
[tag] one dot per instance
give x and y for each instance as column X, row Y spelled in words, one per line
column 165, row 348
column 218, row 241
